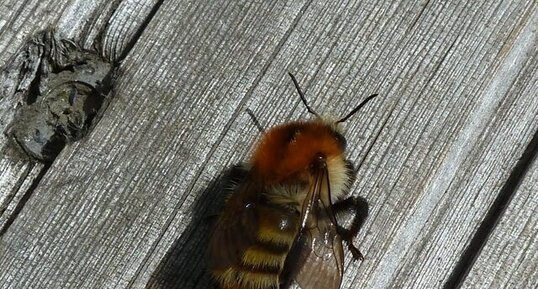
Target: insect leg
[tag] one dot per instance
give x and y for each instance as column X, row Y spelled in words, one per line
column 255, row 120
column 359, row 207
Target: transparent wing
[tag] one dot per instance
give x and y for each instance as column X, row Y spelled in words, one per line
column 321, row 256
column 322, row 259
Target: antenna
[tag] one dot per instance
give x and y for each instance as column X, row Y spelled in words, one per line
column 301, row 94
column 255, row 120
column 357, row 108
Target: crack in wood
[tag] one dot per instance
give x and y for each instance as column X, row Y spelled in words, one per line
column 26, row 195
column 138, row 32
column 497, row 209
column 494, row 214
column 226, row 128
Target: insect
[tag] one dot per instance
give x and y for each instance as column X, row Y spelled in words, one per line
column 280, row 221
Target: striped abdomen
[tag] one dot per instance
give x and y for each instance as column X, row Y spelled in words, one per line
column 261, row 262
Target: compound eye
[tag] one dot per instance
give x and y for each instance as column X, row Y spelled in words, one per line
column 341, row 140
column 319, row 162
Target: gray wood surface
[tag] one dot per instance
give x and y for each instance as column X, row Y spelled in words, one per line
column 129, row 206
column 18, row 21
column 510, row 256
column 92, row 25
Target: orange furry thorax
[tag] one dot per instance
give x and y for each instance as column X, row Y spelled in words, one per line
column 287, row 150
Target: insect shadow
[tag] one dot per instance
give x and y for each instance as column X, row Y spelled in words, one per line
column 185, row 263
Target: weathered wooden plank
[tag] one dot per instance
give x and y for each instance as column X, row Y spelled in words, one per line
column 17, row 178
column 478, row 161
column 442, row 90
column 128, row 204
column 509, row 257
column 210, row 49
column 18, row 21
column 90, row 24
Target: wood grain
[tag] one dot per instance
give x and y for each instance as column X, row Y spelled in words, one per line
column 428, row 127
column 132, row 215
column 18, row 21
column 90, row 24
column 130, row 206
column 509, row 257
